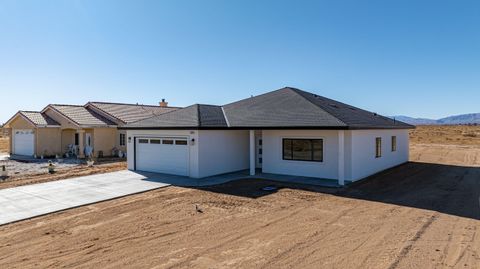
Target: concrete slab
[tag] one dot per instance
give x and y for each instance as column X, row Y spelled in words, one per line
column 30, row 201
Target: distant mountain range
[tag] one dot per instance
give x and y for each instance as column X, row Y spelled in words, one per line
column 452, row 120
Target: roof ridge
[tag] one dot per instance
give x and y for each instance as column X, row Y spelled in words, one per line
column 129, row 104
column 30, row 111
column 66, row 105
column 199, row 121
column 298, row 91
column 262, row 94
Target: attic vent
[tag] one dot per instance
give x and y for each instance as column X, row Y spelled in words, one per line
column 375, row 114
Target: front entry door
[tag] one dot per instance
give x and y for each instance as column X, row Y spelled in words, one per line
column 88, row 139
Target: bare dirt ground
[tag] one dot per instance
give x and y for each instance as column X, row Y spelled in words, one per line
column 419, row 215
column 451, row 145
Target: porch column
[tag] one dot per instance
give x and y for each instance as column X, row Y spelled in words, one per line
column 341, row 158
column 252, row 152
column 81, row 144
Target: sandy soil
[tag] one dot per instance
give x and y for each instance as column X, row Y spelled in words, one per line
column 418, row 215
column 446, row 135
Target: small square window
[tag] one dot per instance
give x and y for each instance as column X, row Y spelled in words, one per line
column 143, row 141
column 154, row 141
column 260, row 151
column 260, row 160
column 167, row 142
column 180, row 142
column 260, row 142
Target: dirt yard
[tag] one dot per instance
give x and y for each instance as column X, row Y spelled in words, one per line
column 451, row 145
column 419, row 215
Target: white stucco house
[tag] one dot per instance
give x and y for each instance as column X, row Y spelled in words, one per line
column 287, row 131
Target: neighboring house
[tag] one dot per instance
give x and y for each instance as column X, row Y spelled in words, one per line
column 58, row 129
column 287, row 131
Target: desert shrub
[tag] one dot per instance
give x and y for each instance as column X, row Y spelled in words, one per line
column 471, row 134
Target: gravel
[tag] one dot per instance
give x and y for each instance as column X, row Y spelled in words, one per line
column 15, row 168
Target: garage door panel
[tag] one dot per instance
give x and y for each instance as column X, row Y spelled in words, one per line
column 23, row 142
column 162, row 158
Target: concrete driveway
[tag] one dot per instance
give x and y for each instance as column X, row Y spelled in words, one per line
column 29, row 201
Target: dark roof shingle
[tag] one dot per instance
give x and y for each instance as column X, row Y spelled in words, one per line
column 283, row 108
column 194, row 116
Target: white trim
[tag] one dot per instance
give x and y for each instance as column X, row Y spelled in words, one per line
column 252, row 152
column 137, row 138
column 341, row 158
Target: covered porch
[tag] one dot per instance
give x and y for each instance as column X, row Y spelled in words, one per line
column 77, row 142
column 266, row 150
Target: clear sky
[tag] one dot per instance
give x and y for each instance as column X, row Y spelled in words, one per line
column 417, row 58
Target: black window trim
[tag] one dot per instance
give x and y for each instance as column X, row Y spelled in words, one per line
column 378, row 154
column 309, row 139
column 394, row 143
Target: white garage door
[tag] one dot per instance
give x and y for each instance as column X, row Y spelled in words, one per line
column 162, row 155
column 23, row 142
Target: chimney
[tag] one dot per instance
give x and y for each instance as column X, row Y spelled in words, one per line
column 163, row 103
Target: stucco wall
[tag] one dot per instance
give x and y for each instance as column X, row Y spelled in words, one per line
column 68, row 138
column 222, row 151
column 190, row 134
column 104, row 140
column 364, row 162
column 273, row 160
column 18, row 123
column 48, row 141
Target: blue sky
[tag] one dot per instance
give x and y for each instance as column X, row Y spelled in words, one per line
column 418, row 58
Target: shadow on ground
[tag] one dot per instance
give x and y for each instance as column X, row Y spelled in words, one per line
column 453, row 190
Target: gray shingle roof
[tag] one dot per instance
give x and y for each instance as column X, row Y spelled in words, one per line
column 195, row 116
column 283, row 108
column 82, row 116
column 128, row 113
column 38, row 118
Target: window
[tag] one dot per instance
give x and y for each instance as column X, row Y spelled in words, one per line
column 76, row 139
column 303, row 149
column 260, row 160
column 122, row 139
column 167, row 142
column 260, row 142
column 143, row 141
column 394, row 143
column 154, row 141
column 260, row 151
column 378, row 147
column 180, row 142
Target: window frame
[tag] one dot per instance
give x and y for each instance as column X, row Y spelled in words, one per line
column 378, row 147
column 312, row 151
column 394, row 143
